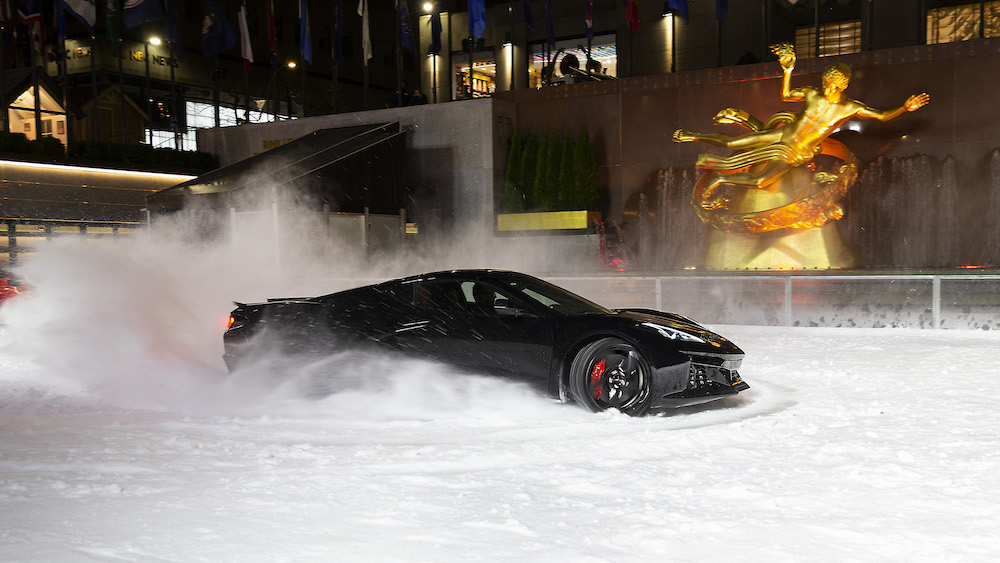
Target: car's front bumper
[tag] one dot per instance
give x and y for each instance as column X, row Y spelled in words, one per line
column 700, row 380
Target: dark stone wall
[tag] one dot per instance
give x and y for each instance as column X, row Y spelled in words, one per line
column 928, row 195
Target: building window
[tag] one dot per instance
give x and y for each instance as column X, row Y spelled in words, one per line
column 961, row 23
column 484, row 77
column 200, row 115
column 837, row 38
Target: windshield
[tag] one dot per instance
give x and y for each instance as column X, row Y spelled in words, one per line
column 551, row 296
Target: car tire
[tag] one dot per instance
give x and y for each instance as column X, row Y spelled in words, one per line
column 611, row 374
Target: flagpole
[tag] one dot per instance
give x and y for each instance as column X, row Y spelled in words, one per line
column 275, row 104
column 333, row 91
column 304, row 37
column 121, row 92
column 816, row 31
column 173, row 99
column 399, row 63
column 145, row 91
column 246, row 95
column 510, row 21
column 718, row 27
column 334, row 51
column 215, row 91
column 3, row 75
column 61, row 65
column 36, row 66
column 95, row 122
column 673, row 44
column 365, row 42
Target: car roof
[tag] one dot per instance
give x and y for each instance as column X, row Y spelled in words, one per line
column 472, row 274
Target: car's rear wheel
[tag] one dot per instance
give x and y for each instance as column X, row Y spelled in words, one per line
column 610, row 374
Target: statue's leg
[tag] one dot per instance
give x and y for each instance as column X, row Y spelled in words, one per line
column 748, row 141
column 762, row 178
column 759, row 179
column 717, row 139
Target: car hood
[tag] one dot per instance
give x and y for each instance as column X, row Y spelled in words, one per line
column 712, row 340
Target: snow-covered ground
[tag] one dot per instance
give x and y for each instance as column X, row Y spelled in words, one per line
column 124, row 440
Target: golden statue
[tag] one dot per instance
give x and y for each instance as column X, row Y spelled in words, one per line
column 785, row 142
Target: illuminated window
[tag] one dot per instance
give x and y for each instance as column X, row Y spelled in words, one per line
column 201, row 115
column 484, row 78
column 960, row 23
column 603, row 60
column 837, row 38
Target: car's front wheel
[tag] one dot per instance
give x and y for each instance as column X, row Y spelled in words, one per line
column 610, row 374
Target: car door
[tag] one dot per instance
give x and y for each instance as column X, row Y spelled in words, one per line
column 514, row 341
column 444, row 322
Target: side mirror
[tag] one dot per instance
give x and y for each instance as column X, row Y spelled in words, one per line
column 503, row 308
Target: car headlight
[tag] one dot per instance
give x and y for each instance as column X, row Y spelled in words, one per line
column 673, row 333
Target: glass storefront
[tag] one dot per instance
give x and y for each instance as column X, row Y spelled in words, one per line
column 570, row 61
column 484, row 76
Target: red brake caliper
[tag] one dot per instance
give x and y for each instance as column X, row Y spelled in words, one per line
column 595, row 378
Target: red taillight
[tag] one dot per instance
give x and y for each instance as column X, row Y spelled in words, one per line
column 232, row 321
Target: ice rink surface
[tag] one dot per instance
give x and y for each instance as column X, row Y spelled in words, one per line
column 124, row 440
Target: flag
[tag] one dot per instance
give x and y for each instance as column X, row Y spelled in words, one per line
column 548, row 23
column 111, row 21
column 529, row 21
column 338, row 27
column 677, row 6
column 30, row 14
column 305, row 35
column 245, row 49
column 632, row 13
column 138, row 12
column 217, row 36
column 366, row 40
column 435, row 33
column 721, row 7
column 272, row 35
column 28, row 11
column 403, row 13
column 84, row 10
column 589, row 19
column 477, row 17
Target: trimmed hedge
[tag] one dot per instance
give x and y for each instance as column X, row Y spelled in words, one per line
column 135, row 154
column 556, row 172
column 142, row 155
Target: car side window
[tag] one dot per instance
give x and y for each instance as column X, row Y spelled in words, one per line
column 471, row 297
column 480, row 298
column 441, row 296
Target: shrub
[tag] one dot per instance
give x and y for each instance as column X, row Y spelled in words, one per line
column 553, row 172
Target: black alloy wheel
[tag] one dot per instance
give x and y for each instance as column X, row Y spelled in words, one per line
column 611, row 374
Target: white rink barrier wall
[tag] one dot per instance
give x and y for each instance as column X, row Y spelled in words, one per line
column 865, row 301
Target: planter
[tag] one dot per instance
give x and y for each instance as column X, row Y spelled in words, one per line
column 547, row 221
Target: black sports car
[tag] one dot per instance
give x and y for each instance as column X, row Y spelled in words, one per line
column 508, row 324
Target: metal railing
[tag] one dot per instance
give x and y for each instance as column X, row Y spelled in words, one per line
column 865, row 300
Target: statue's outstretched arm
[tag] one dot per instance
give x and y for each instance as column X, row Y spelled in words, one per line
column 913, row 103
